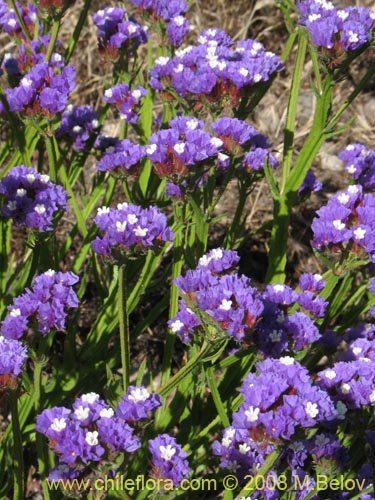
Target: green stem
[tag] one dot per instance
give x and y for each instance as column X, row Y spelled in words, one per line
column 178, row 262
column 43, row 458
column 77, row 31
column 292, row 109
column 185, row 370
column 283, row 204
column 54, row 33
column 20, row 20
column 124, row 326
column 216, row 397
column 18, row 492
column 52, row 160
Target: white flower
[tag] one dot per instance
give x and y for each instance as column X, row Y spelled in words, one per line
column 21, row 192
column 176, row 326
column 286, row 360
column 359, row 233
column 40, row 209
column 330, row 374
column 91, row 438
column 106, row 412
column 90, row 397
column 179, row 148
column 312, row 409
column 167, row 452
column 82, row 412
column 252, row 414
column 338, row 224
column 162, row 61
column 140, row 231
column 139, row 394
column 225, row 305
column 58, row 424
column 15, row 313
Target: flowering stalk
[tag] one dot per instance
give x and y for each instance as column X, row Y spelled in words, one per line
column 124, row 325
column 20, row 20
column 18, row 485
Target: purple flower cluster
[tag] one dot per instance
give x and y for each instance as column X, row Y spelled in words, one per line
column 9, row 22
column 338, row 30
column 12, row 356
column 347, row 221
column 45, row 303
column 359, row 162
column 118, row 33
column 242, row 312
column 30, row 54
column 124, row 156
column 185, row 144
column 241, row 139
column 227, row 298
column 31, row 199
column 130, row 225
column 171, row 12
column 78, row 123
column 92, row 431
column 215, row 69
column 43, row 90
column 168, row 459
column 127, row 101
column 278, row 401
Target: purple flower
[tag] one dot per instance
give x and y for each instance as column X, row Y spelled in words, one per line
column 12, row 356
column 336, row 29
column 31, row 199
column 124, row 156
column 46, row 302
column 359, row 162
column 137, row 403
column 117, row 434
column 177, row 28
column 127, row 101
column 130, row 225
column 78, row 123
column 168, row 459
column 42, row 90
column 117, row 35
column 241, row 139
column 215, row 69
column 9, row 21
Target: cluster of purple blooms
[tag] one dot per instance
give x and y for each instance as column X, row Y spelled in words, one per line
column 28, row 55
column 92, row 432
column 215, row 69
column 351, row 379
column 176, row 149
column 31, row 199
column 279, row 400
column 44, row 90
column 121, row 156
column 242, row 312
column 347, row 221
column 338, row 30
column 13, row 355
column 127, row 101
column 172, row 12
column 118, row 33
column 359, row 162
column 130, row 225
column 239, row 138
column 46, row 304
column 8, row 18
column 79, row 123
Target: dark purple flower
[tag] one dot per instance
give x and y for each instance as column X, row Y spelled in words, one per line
column 78, row 123
column 42, row 91
column 12, row 356
column 137, row 404
column 46, row 303
column 168, row 459
column 130, row 225
column 127, row 101
column 31, row 199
